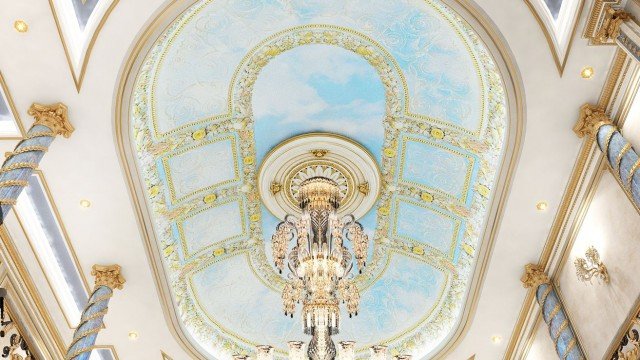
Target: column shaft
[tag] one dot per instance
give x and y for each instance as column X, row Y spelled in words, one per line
column 108, row 278
column 91, row 322
column 560, row 330
column 50, row 121
column 622, row 158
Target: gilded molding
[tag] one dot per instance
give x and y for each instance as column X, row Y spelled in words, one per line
column 610, row 26
column 534, row 276
column 54, row 117
column 108, row 276
column 591, row 118
column 604, row 21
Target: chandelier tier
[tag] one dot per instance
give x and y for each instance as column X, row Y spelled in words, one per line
column 320, row 263
column 319, row 185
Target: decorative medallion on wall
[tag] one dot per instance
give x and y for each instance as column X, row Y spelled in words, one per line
column 230, row 80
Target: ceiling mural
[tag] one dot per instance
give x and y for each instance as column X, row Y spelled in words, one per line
column 230, row 80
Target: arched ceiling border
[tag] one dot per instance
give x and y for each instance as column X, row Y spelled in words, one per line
column 78, row 75
column 555, row 52
column 505, row 61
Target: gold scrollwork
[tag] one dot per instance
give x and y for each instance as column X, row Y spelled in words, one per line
column 591, row 267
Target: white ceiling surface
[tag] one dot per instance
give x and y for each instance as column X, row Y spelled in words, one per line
column 87, row 164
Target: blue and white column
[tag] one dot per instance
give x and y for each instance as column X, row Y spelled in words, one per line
column 108, row 278
column 51, row 120
column 560, row 329
column 622, row 158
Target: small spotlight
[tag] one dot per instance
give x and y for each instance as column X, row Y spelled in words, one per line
column 133, row 335
column 85, row 203
column 542, row 206
column 587, row 72
column 496, row 339
column 21, row 26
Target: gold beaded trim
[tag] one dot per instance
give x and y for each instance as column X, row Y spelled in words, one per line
column 631, row 172
column 27, row 149
column 624, row 150
column 40, row 134
column 8, row 183
column 19, row 165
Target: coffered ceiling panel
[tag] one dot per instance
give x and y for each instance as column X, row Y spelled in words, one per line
column 228, row 81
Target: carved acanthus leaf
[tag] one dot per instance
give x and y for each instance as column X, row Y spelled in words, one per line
column 108, row 276
column 590, row 120
column 534, row 276
column 52, row 116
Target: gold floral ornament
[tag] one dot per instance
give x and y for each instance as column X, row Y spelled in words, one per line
column 52, row 116
column 218, row 252
column 468, row 249
column 389, row 152
column 483, row 190
column 384, row 211
column 437, row 133
column 199, row 134
column 426, row 197
column 154, row 190
column 254, row 218
column 418, row 250
column 591, row 267
column 210, row 199
column 108, row 275
column 249, row 160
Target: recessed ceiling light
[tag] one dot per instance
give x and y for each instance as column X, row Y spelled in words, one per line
column 133, row 335
column 496, row 339
column 587, row 72
column 21, row 26
column 542, row 206
column 85, row 203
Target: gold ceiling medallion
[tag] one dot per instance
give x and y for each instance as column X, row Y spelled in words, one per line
column 289, row 165
column 591, row 267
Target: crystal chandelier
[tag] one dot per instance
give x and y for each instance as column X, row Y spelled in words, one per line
column 320, row 264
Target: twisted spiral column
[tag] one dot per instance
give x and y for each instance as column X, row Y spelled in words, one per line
column 50, row 120
column 623, row 160
column 560, row 329
column 108, row 278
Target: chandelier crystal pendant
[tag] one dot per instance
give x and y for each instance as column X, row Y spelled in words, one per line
column 320, row 264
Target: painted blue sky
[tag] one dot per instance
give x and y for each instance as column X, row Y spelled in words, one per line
column 318, row 88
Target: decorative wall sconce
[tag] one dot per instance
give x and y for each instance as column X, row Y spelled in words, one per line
column 591, row 266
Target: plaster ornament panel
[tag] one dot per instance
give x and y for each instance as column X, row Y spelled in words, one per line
column 265, row 71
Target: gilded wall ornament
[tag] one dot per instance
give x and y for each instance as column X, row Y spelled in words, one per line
column 610, row 28
column 319, row 152
column 591, row 267
column 52, row 116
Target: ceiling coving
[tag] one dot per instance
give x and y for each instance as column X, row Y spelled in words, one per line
column 227, row 81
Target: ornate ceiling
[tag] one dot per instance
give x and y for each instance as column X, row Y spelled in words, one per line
column 229, row 80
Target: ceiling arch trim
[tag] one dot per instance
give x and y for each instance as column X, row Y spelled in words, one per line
column 558, row 20
column 514, row 107
column 79, row 23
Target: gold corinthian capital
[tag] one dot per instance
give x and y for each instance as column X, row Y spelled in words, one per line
column 534, row 276
column 108, row 275
column 590, row 120
column 52, row 116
